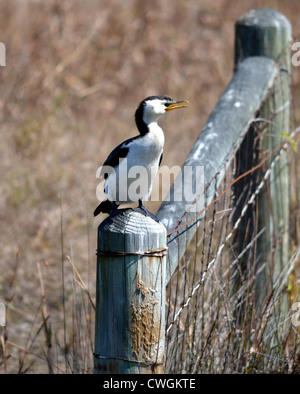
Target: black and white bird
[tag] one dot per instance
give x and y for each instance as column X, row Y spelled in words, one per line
column 144, row 150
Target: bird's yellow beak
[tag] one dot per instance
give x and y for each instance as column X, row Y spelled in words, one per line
column 177, row 104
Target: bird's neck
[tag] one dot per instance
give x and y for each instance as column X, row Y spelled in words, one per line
column 142, row 126
column 149, row 127
column 156, row 132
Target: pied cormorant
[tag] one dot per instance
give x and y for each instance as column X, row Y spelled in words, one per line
column 144, row 150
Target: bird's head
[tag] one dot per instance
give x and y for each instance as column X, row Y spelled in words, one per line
column 151, row 108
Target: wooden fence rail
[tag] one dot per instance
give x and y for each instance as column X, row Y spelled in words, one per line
column 133, row 267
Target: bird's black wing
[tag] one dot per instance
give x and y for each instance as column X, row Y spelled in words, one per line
column 120, row 152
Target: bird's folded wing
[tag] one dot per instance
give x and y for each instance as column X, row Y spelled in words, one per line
column 115, row 157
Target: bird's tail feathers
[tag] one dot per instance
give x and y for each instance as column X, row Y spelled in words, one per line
column 104, row 207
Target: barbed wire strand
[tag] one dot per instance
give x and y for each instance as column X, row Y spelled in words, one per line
column 236, row 225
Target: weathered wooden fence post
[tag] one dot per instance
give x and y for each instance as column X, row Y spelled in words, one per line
column 130, row 298
column 265, row 32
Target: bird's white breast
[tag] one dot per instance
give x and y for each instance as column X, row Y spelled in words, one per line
column 145, row 152
column 148, row 148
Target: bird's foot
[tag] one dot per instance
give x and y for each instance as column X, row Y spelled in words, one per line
column 145, row 212
column 142, row 209
column 115, row 211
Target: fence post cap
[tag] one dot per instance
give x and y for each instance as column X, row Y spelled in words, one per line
column 262, row 32
column 129, row 220
column 129, row 226
column 264, row 17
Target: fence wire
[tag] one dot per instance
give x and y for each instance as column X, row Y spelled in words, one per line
column 227, row 308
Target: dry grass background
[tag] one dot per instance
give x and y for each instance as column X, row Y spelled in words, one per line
column 75, row 72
